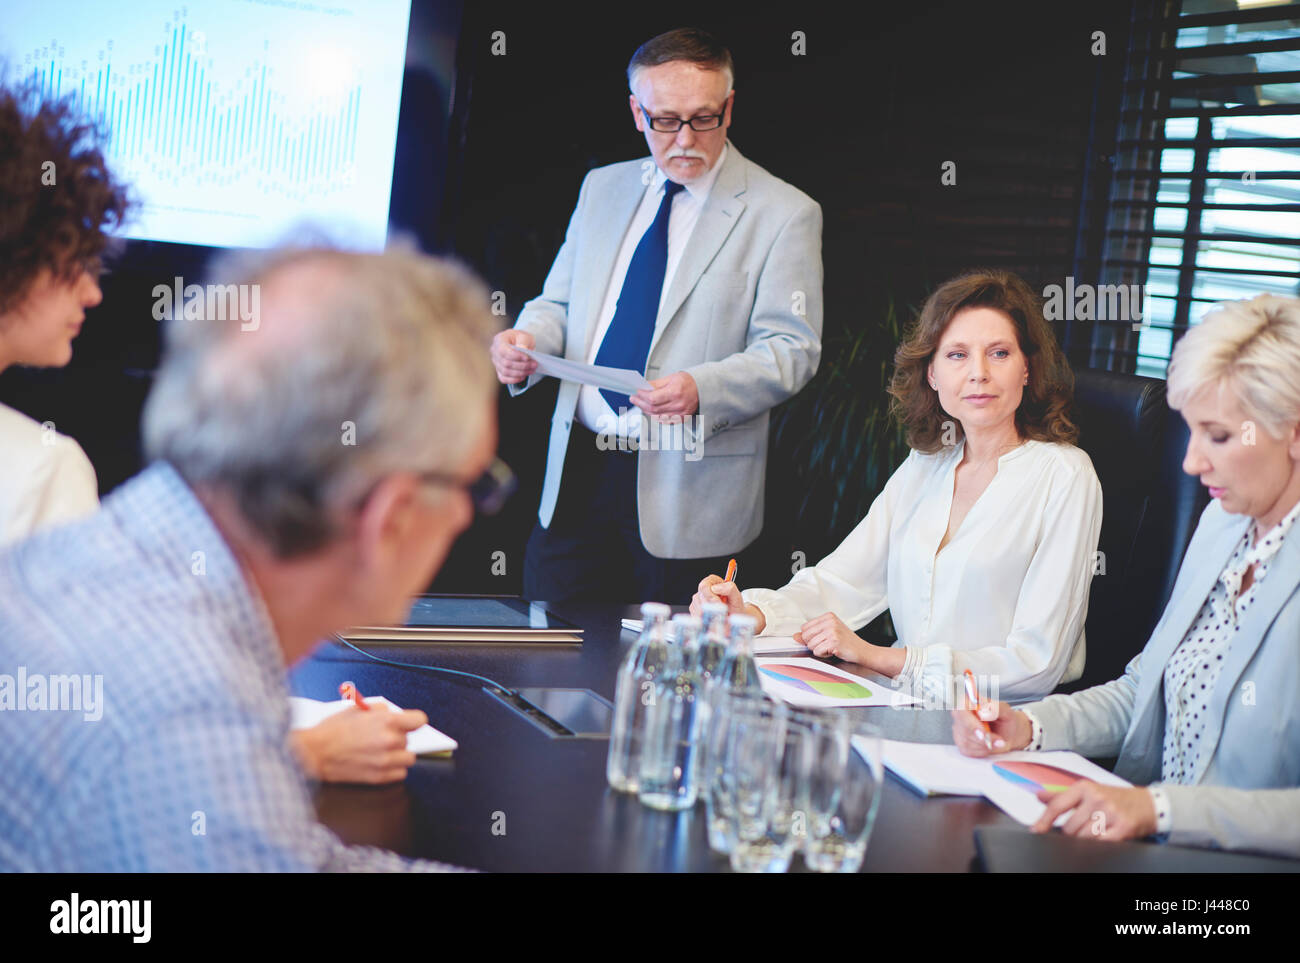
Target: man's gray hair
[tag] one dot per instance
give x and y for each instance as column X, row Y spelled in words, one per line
column 361, row 366
column 686, row 43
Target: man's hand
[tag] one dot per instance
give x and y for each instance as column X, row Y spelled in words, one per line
column 1112, row 813
column 512, row 366
column 714, row 589
column 357, row 745
column 1011, row 730
column 671, row 398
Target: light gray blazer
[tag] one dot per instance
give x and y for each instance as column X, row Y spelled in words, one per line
column 1245, row 795
column 743, row 316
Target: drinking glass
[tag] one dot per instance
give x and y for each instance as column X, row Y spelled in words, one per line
column 840, row 846
column 825, row 752
column 762, row 760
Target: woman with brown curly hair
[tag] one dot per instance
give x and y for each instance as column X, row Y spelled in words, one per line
column 56, row 201
column 982, row 543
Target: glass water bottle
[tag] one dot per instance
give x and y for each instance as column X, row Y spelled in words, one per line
column 638, row 676
column 738, row 672
column 713, row 639
column 669, row 770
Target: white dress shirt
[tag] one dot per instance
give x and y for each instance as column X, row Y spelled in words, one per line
column 593, row 410
column 46, row 478
column 1005, row 598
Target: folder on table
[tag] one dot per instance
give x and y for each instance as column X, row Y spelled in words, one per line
column 472, row 618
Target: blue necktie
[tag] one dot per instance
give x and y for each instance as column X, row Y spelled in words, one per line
column 627, row 339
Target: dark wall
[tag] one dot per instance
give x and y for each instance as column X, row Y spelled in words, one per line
column 863, row 121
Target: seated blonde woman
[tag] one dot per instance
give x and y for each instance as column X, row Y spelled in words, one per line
column 981, row 544
column 1206, row 719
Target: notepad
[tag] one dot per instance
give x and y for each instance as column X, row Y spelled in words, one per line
column 424, row 741
column 1009, row 780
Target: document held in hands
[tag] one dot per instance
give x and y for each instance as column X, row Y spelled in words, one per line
column 623, row 380
column 1009, row 780
column 424, row 741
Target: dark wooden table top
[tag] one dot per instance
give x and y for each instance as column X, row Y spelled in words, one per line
column 515, row 799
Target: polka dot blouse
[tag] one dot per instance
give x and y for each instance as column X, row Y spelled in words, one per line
column 1194, row 668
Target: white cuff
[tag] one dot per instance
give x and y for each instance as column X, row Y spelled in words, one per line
column 1164, row 817
column 1035, row 732
column 910, row 675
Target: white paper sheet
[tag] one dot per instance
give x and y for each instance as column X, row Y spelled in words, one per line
column 778, row 645
column 763, row 644
column 623, row 380
column 305, row 713
column 803, row 693
column 932, row 768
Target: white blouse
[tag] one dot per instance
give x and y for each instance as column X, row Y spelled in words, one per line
column 45, row 477
column 1005, row 598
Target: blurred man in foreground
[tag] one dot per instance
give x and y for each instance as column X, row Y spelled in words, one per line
column 308, row 473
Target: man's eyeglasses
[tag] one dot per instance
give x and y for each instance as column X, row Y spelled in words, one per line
column 488, row 492
column 671, row 125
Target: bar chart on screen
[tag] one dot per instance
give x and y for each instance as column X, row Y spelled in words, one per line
column 235, row 121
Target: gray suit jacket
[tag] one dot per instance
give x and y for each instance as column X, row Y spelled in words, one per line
column 743, row 316
column 1245, row 795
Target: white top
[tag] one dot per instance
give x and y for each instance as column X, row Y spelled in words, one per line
column 1005, row 598
column 593, row 410
column 45, row 477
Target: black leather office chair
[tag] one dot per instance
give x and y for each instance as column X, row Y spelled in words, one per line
column 1150, row 508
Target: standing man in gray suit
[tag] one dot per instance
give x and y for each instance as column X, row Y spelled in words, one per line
column 702, row 270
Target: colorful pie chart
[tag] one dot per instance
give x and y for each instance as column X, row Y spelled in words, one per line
column 815, row 680
column 1034, row 776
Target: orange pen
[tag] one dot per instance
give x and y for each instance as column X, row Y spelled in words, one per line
column 972, row 696
column 348, row 690
column 731, row 571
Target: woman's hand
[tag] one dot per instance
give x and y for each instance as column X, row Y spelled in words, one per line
column 1112, row 813
column 1011, row 730
column 826, row 635
column 714, row 589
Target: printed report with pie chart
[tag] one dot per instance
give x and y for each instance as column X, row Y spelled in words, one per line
column 1010, row 780
column 812, row 683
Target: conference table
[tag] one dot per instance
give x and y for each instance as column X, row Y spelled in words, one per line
column 513, row 798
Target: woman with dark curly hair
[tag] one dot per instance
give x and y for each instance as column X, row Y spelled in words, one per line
column 982, row 543
column 57, row 202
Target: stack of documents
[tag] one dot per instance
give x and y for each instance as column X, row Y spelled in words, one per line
column 424, row 741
